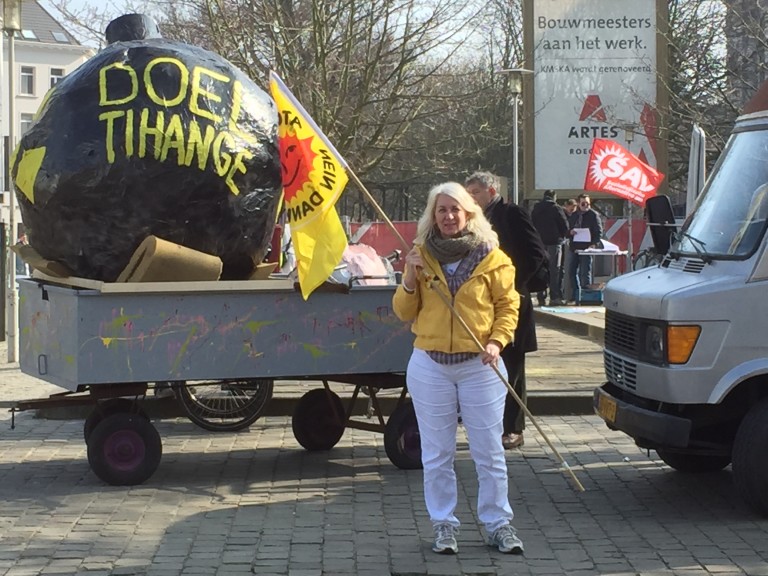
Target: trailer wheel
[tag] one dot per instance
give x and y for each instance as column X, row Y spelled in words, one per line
column 750, row 467
column 124, row 449
column 693, row 463
column 225, row 406
column 402, row 441
column 107, row 408
column 318, row 420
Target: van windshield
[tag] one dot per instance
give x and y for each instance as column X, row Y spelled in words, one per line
column 730, row 215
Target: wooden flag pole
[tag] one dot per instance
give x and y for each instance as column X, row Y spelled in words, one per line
column 481, row 348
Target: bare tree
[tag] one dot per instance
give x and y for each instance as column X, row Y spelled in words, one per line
column 697, row 84
column 89, row 21
column 379, row 76
column 410, row 91
column 746, row 24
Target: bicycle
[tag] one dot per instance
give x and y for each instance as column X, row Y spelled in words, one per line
column 646, row 258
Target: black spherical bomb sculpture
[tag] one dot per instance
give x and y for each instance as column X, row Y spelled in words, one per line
column 150, row 137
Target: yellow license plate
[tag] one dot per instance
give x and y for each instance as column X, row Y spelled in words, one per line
column 607, row 408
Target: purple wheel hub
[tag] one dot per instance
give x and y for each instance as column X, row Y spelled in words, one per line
column 124, row 450
column 410, row 439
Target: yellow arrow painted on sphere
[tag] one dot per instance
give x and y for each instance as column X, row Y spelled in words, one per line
column 29, row 166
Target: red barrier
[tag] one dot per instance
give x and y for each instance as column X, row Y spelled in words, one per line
column 383, row 240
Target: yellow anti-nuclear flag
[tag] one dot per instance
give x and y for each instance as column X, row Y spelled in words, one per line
column 314, row 175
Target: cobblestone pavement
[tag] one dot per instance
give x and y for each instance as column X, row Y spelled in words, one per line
column 255, row 502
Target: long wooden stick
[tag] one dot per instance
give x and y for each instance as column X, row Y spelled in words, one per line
column 464, row 325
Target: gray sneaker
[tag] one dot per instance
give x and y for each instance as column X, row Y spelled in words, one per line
column 445, row 539
column 506, row 540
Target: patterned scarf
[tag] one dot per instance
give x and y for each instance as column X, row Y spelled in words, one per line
column 447, row 250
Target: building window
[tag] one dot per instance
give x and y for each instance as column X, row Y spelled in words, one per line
column 56, row 75
column 26, row 123
column 28, row 34
column 60, row 37
column 27, row 81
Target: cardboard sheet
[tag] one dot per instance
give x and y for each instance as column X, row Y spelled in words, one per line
column 157, row 260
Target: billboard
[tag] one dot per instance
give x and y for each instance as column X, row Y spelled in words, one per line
column 595, row 76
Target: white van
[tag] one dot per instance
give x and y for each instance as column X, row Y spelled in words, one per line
column 686, row 341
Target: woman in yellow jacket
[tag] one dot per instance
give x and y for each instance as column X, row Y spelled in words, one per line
column 457, row 253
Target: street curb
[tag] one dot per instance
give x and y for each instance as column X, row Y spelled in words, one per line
column 571, row 326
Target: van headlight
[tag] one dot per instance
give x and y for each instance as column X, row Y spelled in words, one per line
column 654, row 344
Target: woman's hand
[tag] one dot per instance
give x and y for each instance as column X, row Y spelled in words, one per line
column 492, row 352
column 413, row 267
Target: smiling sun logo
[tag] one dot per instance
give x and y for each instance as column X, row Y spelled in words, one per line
column 296, row 157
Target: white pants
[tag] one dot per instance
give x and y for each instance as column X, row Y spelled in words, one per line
column 437, row 391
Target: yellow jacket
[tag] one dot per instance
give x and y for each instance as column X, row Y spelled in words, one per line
column 487, row 302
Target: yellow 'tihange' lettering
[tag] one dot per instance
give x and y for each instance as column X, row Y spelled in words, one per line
column 158, row 131
column 174, row 138
column 199, row 145
column 221, row 160
column 110, row 118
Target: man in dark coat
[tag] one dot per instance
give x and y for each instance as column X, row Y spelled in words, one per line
column 552, row 225
column 518, row 239
column 580, row 266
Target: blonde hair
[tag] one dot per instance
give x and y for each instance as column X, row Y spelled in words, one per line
column 476, row 221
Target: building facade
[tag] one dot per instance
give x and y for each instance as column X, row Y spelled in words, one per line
column 44, row 52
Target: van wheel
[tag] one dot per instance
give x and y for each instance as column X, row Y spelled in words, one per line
column 693, row 463
column 750, row 467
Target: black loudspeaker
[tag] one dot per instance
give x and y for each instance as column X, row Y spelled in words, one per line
column 661, row 220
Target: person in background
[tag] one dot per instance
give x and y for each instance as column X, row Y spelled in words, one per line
column 552, row 224
column 520, row 241
column 456, row 253
column 570, row 206
column 580, row 268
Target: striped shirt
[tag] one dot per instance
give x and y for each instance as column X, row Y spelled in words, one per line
column 455, row 279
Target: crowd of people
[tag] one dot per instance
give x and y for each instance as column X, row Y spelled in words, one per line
column 566, row 231
column 467, row 290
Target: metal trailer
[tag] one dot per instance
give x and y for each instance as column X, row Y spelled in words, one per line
column 220, row 346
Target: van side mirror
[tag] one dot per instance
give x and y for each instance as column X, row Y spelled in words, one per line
column 661, row 222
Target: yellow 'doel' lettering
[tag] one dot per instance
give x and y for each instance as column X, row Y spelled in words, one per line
column 29, row 166
column 103, row 91
column 174, row 138
column 150, row 87
column 234, row 114
column 198, row 90
column 145, row 130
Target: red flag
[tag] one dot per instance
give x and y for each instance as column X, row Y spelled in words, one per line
column 611, row 168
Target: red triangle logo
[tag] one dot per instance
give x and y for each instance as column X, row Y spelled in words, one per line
column 593, row 109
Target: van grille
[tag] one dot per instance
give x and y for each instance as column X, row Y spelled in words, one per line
column 620, row 372
column 622, row 333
